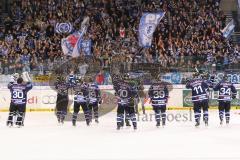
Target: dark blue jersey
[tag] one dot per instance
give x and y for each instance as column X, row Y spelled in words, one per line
column 19, row 92
column 125, row 93
column 116, row 81
column 81, row 93
column 71, row 79
column 94, row 93
column 226, row 91
column 200, row 90
column 158, row 93
column 62, row 88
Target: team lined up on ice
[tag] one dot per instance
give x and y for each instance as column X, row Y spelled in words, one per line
column 87, row 95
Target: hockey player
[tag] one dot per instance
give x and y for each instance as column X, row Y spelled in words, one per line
column 94, row 100
column 117, row 80
column 226, row 92
column 81, row 98
column 71, row 78
column 137, row 85
column 62, row 88
column 158, row 94
column 126, row 95
column 199, row 98
column 17, row 109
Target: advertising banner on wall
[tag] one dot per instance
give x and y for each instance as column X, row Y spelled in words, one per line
column 187, row 98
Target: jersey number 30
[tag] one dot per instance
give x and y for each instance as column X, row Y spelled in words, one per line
column 17, row 94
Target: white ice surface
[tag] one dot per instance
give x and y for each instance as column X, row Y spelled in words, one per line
column 43, row 139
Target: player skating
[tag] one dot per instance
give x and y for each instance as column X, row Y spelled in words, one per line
column 94, row 100
column 200, row 98
column 17, row 108
column 158, row 94
column 81, row 99
column 62, row 88
column 226, row 92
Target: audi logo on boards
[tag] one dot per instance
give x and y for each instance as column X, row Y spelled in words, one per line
column 49, row 99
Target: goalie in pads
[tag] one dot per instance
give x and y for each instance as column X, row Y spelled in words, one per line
column 19, row 90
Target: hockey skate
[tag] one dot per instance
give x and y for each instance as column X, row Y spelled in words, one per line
column 221, row 122
column 163, row 123
column 127, row 123
column 96, row 121
column 206, row 123
column 119, row 125
column 158, row 124
column 197, row 124
column 135, row 127
column 74, row 123
column 9, row 123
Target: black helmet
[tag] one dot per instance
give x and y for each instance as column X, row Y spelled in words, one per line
column 20, row 80
column 205, row 75
column 225, row 77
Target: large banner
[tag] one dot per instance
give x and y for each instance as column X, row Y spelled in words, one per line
column 147, row 26
column 213, row 100
column 173, row 78
column 232, row 77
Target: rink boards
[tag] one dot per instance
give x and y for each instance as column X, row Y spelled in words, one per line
column 43, row 98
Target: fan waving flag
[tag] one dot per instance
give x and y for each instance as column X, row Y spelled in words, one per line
column 147, row 26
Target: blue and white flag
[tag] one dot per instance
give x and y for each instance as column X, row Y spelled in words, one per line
column 71, row 45
column 63, row 28
column 86, row 46
column 228, row 30
column 147, row 26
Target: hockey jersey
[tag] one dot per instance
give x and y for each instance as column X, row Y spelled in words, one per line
column 81, row 93
column 158, row 93
column 94, row 93
column 62, row 88
column 226, row 91
column 200, row 90
column 71, row 79
column 126, row 93
column 19, row 92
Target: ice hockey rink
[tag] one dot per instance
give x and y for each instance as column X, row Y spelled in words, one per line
column 43, row 139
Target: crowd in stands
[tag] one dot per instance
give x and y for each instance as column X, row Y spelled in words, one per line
column 189, row 35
